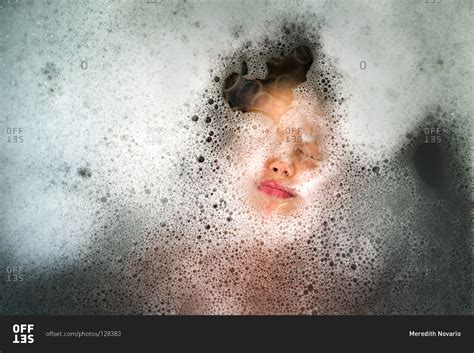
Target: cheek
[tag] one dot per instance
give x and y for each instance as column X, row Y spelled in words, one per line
column 255, row 161
column 308, row 182
column 251, row 151
column 307, row 165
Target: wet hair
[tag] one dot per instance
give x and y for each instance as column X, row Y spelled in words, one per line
column 283, row 74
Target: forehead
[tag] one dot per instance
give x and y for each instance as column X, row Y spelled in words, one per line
column 301, row 114
column 298, row 124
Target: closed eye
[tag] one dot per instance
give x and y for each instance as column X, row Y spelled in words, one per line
column 301, row 151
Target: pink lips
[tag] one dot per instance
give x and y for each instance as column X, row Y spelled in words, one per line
column 272, row 188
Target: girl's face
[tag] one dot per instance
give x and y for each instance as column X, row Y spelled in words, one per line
column 284, row 159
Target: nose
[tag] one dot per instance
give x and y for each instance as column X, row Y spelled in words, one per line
column 281, row 168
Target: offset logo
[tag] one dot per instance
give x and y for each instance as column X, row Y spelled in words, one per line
column 23, row 333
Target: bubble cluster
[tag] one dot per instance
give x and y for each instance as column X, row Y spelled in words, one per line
column 359, row 244
column 370, row 236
